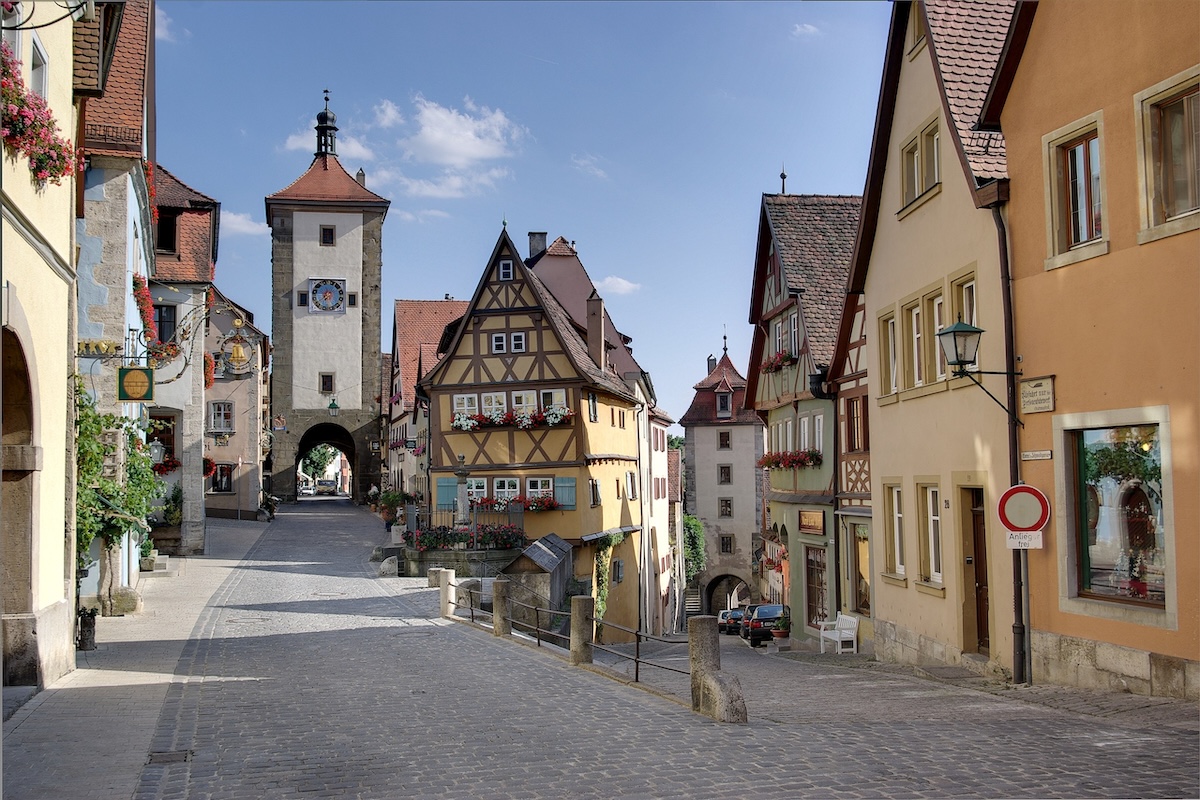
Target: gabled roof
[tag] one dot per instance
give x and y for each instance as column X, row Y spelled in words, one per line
column 116, row 120
column 197, row 230
column 326, row 181
column 94, row 46
column 1006, row 68
column 723, row 373
column 170, row 192
column 965, row 42
column 418, row 326
column 724, row 377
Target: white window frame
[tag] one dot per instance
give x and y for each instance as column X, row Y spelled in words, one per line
column 476, row 488
column 938, row 320
column 223, row 467
column 553, row 397
column 594, row 491
column 492, row 402
column 778, row 336
column 466, row 404
column 631, row 485
column 933, row 532
column 506, row 488
column 896, row 513
column 724, row 405
column 524, row 400
column 819, row 432
column 517, row 342
column 505, row 270
column 220, row 422
column 39, row 68
column 539, row 487
column 915, row 343
column 794, row 333
column 805, row 441
column 499, row 343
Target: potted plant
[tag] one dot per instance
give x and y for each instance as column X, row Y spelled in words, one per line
column 147, row 555
column 782, row 627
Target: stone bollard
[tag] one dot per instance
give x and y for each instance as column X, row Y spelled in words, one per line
column 583, row 629
column 714, row 694
column 449, row 591
column 501, row 624
column 434, row 580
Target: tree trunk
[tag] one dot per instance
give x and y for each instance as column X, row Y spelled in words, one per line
column 110, row 572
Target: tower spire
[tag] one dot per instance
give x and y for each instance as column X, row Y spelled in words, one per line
column 326, row 130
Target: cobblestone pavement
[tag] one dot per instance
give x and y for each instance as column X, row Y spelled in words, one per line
column 300, row 674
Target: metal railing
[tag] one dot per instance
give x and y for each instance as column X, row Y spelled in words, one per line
column 536, row 629
column 470, row 606
column 637, row 659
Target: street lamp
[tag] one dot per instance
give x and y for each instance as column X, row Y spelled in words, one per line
column 334, row 408
column 157, row 451
column 960, row 347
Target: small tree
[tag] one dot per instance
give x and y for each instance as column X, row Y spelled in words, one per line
column 694, row 557
column 316, row 460
column 674, row 442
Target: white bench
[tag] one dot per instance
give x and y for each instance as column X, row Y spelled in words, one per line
column 842, row 632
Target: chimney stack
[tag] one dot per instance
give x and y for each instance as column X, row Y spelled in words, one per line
column 712, row 363
column 595, row 331
column 361, row 177
column 537, row 242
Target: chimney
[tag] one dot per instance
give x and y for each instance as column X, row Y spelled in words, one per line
column 595, row 331
column 361, row 177
column 537, row 242
column 712, row 363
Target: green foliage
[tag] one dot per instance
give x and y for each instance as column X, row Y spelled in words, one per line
column 604, row 548
column 173, row 508
column 694, row 557
column 674, row 442
column 316, row 460
column 107, row 507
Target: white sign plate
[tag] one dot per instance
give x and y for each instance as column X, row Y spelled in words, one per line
column 1037, row 395
column 1029, row 540
column 1036, row 455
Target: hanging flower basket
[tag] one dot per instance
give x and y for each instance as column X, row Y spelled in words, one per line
column 29, row 128
column 210, row 467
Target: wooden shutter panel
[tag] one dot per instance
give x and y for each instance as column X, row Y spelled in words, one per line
column 447, row 493
column 564, row 492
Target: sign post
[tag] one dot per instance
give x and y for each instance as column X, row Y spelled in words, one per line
column 1024, row 511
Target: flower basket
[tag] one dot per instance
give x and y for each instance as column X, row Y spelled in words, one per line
column 168, row 465
column 778, row 361
column 791, row 459
column 210, row 467
column 29, row 127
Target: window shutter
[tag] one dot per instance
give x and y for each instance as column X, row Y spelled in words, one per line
column 447, row 493
column 564, row 492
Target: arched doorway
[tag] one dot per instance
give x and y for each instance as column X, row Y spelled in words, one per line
column 16, row 538
column 725, row 591
column 337, row 437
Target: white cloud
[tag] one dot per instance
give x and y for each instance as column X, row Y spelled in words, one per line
column 614, row 285
column 305, row 140
column 422, row 216
column 353, row 147
column 588, row 164
column 448, row 185
column 234, row 223
column 803, row 29
column 457, row 139
column 387, row 115
column 163, row 30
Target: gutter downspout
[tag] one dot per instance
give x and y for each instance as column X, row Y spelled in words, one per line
column 1019, row 557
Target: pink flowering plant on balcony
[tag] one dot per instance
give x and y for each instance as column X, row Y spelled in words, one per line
column 791, row 459
column 29, row 128
column 778, row 361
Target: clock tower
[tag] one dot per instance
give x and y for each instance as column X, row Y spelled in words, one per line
column 326, row 263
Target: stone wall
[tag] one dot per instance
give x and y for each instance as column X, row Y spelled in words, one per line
column 1099, row 665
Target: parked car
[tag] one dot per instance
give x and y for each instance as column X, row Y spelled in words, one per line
column 729, row 620
column 763, row 621
column 307, row 491
column 744, row 625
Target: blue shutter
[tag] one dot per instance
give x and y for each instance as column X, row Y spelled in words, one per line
column 447, row 493
column 564, row 492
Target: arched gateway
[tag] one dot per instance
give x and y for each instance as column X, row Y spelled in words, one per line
column 326, row 264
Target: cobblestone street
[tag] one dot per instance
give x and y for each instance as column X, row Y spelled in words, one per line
column 280, row 666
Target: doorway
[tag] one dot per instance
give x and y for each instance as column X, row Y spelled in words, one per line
column 979, row 550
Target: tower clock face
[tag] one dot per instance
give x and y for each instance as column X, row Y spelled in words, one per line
column 326, row 295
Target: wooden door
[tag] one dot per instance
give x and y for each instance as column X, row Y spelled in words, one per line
column 979, row 536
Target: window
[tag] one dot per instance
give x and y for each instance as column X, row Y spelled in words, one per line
column 494, row 403
column 819, row 432
column 726, row 544
column 593, row 407
column 220, row 417
column 164, row 320
column 1168, row 131
column 162, row 430
column 518, row 342
column 506, row 270
column 1075, row 186
column 895, row 513
column 919, row 158
column 933, row 535
column 786, row 442
column 621, row 418
column 11, row 16
column 326, row 379
column 524, row 402
column 466, row 404
column 724, row 440
column 859, row 567
column 222, row 479
column 794, row 333
column 724, row 473
column 499, row 343
column 856, row 425
column 916, row 28
column 476, row 489
column 506, row 488
column 779, row 336
column 166, row 231
column 913, row 354
column 725, row 507
column 594, row 491
column 351, row 299
column 805, row 441
column 302, row 299
column 887, row 354
column 539, row 487
column 631, row 485
column 1121, row 525
column 328, row 236
column 554, row 397
column 39, row 69
column 618, row 570
column 724, row 405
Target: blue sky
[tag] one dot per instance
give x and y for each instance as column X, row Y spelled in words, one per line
column 644, row 132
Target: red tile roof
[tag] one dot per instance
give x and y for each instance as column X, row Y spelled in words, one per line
column 195, row 256
column 115, row 120
column 171, row 192
column 419, row 326
column 326, row 181
column 966, row 42
column 723, row 378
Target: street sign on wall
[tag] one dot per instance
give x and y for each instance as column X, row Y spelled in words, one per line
column 1024, row 512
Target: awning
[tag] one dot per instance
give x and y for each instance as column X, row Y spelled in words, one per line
column 591, row 537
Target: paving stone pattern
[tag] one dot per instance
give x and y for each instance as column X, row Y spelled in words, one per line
column 305, row 675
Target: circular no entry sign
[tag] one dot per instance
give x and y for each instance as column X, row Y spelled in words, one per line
column 1023, row 509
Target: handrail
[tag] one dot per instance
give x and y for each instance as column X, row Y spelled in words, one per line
column 637, row 649
column 470, row 606
column 537, row 628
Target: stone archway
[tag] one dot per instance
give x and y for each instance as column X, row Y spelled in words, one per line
column 335, row 436
column 16, row 523
column 715, row 590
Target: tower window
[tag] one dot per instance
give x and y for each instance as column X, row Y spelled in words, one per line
column 328, row 236
column 506, row 270
column 326, row 383
column 302, row 299
column 352, row 299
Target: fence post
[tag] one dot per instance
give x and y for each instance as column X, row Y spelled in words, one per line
column 583, row 629
column 446, row 578
column 433, row 574
column 501, row 624
column 713, row 694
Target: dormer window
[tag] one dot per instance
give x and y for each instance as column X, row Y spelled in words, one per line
column 166, row 237
column 724, row 404
column 506, row 270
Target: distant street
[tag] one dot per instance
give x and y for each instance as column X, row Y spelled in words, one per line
column 305, row 675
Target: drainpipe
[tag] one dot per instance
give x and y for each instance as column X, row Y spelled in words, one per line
column 1019, row 557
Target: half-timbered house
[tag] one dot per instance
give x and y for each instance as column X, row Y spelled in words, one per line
column 800, row 268
column 544, row 406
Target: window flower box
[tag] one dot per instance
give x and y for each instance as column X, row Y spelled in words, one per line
column 778, row 361
column 791, row 459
